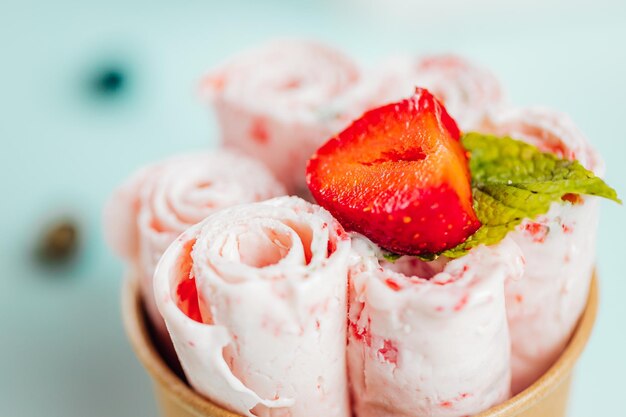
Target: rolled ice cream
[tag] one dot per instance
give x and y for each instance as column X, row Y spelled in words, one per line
column 429, row 338
column 254, row 298
column 148, row 212
column 559, row 248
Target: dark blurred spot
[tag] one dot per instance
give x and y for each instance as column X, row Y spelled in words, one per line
column 109, row 81
column 59, row 243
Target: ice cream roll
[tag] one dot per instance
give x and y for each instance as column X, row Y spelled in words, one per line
column 559, row 248
column 254, row 298
column 281, row 101
column 156, row 204
column 429, row 338
column 469, row 92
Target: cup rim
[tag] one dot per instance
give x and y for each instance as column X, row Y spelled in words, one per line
column 136, row 327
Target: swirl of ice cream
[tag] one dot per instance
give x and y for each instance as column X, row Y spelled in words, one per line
column 281, row 101
column 469, row 93
column 159, row 202
column 429, row 339
column 559, row 246
column 254, row 298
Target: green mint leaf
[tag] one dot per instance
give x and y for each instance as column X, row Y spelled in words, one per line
column 512, row 180
column 391, row 257
column 511, row 162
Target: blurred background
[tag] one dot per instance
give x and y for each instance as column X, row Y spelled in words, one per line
column 90, row 90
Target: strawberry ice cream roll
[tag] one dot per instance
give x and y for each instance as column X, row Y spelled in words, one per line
column 559, row 248
column 429, row 339
column 281, row 101
column 161, row 201
column 469, row 93
column 254, row 298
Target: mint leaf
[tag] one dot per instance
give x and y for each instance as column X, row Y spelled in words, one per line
column 511, row 162
column 512, row 180
column 391, row 257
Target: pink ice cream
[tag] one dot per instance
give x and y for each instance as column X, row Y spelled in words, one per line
column 429, row 339
column 146, row 214
column 469, row 93
column 254, row 298
column 283, row 100
column 559, row 247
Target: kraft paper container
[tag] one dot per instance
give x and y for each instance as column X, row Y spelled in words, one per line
column 547, row 397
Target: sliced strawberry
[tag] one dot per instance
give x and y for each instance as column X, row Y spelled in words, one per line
column 398, row 175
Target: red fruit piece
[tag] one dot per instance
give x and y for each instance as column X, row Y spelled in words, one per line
column 187, row 297
column 398, row 175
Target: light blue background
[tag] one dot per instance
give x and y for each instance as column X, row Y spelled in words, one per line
column 62, row 348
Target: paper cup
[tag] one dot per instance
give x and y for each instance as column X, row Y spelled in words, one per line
column 547, row 397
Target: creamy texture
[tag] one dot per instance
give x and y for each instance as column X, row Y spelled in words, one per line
column 559, row 247
column 268, row 335
column 159, row 202
column 429, row 339
column 283, row 100
column 469, row 93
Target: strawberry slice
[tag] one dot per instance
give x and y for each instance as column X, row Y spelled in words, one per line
column 398, row 175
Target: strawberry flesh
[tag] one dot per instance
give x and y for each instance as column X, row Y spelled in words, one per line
column 398, row 175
